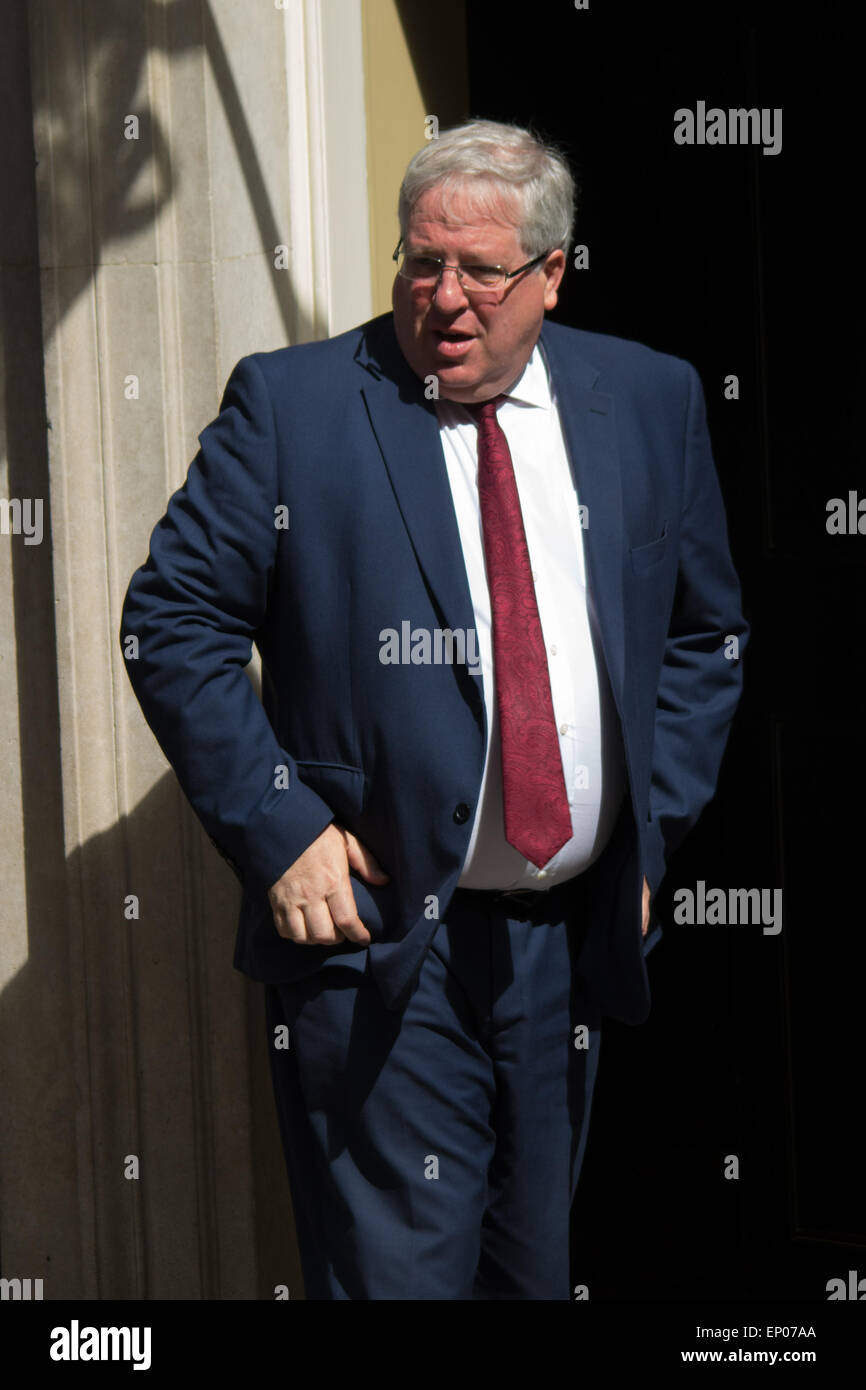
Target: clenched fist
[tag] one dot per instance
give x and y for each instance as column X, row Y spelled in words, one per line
column 313, row 903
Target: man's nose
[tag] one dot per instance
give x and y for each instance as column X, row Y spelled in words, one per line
column 449, row 293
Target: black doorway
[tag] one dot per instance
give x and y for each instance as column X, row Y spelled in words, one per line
column 744, row 263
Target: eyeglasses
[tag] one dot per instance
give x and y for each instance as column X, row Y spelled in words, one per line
column 480, row 281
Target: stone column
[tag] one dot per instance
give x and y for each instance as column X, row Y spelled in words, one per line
column 198, row 167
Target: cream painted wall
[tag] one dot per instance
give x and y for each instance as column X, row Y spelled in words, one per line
column 414, row 66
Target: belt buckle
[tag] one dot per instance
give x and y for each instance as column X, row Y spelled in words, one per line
column 529, row 894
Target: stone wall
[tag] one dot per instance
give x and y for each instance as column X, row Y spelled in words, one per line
column 196, row 166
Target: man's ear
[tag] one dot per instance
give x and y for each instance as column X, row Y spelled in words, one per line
column 553, row 270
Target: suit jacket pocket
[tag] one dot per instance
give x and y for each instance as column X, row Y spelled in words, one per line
column 378, row 906
column 643, row 557
column 338, row 784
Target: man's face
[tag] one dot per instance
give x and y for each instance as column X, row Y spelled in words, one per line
column 475, row 349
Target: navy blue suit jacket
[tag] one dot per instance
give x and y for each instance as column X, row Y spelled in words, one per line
column 339, row 432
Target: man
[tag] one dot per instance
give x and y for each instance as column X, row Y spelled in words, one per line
column 495, row 696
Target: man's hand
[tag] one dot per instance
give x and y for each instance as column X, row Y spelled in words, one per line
column 646, row 908
column 313, row 903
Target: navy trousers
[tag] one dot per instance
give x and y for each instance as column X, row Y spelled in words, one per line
column 434, row 1153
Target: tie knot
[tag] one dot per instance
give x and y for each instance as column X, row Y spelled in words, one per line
column 486, row 410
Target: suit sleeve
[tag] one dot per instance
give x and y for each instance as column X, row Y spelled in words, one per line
column 700, row 685
column 194, row 608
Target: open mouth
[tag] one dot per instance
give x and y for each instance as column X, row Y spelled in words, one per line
column 450, row 342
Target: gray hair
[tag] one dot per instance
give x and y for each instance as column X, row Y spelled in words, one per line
column 513, row 176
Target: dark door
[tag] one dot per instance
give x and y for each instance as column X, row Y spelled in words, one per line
column 748, row 265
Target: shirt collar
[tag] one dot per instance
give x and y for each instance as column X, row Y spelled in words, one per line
column 532, row 387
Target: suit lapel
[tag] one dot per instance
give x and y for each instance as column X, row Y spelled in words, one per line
column 407, row 430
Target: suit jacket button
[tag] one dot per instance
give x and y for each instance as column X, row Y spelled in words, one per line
column 461, row 812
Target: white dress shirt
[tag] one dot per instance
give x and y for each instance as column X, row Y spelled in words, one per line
column 589, row 735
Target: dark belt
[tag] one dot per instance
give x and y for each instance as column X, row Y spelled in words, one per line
column 523, row 903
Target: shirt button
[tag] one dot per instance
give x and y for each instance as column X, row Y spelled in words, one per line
column 563, row 728
column 461, row 812
column 553, row 649
column 542, row 873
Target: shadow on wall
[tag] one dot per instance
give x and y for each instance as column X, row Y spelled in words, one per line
column 97, row 196
column 152, row 1034
column 436, row 38
column 157, row 1055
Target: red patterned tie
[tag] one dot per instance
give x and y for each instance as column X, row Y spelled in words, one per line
column 537, row 816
